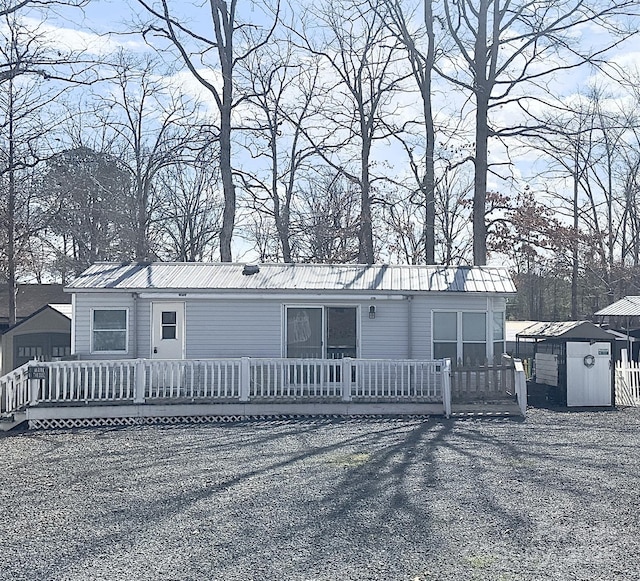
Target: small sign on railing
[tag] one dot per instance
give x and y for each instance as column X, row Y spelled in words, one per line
column 37, row 372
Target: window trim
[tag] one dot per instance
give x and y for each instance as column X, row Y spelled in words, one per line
column 92, row 330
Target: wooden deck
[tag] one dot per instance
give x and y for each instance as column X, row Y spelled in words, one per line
column 75, row 393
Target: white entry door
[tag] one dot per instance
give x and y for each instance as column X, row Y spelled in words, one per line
column 588, row 374
column 167, row 331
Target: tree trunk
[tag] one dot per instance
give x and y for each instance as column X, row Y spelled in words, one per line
column 430, row 138
column 365, row 249
column 482, row 93
column 226, row 172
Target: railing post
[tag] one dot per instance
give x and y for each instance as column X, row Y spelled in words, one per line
column 34, row 384
column 245, row 378
column 346, row 378
column 520, row 380
column 140, row 383
column 446, row 386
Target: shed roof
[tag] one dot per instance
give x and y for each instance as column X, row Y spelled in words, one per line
column 63, row 309
column 628, row 306
column 565, row 330
column 293, row 277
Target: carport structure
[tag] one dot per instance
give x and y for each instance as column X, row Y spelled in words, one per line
column 574, row 359
column 624, row 314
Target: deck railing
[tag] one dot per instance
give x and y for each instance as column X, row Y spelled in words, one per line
column 14, row 390
column 225, row 380
column 627, row 378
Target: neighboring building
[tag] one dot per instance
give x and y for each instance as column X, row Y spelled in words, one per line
column 45, row 335
column 29, row 298
column 200, row 311
column 574, row 360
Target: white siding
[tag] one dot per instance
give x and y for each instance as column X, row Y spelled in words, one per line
column 233, row 328
column 385, row 337
column 236, row 327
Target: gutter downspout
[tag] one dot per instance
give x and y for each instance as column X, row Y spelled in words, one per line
column 134, row 324
column 410, row 325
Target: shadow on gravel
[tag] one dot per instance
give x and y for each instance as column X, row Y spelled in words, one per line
column 327, row 499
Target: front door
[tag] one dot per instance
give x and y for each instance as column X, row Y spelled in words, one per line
column 167, row 334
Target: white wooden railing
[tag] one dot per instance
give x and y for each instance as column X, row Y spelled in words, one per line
column 627, row 377
column 14, row 390
column 243, row 379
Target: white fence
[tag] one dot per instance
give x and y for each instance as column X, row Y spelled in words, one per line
column 627, row 379
column 14, row 390
column 225, row 380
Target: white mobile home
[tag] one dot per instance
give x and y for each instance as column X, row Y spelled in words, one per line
column 189, row 340
column 199, row 311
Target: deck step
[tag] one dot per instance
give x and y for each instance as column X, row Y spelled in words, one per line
column 11, row 421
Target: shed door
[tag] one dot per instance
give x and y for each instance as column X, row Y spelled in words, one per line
column 167, row 331
column 588, row 374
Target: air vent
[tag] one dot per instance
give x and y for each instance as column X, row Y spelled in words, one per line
column 250, row 269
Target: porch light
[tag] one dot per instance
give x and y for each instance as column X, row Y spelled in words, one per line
column 372, row 312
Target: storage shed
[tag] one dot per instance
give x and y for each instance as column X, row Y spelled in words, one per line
column 574, row 360
column 45, row 335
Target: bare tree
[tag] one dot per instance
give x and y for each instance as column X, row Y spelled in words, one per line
column 38, row 73
column 501, row 42
column 189, row 211
column 282, row 90
column 327, row 219
column 420, row 46
column 232, row 41
column 153, row 126
column 365, row 60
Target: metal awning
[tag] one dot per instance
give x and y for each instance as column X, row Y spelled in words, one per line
column 626, row 307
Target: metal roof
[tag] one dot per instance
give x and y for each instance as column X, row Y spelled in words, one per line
column 627, row 307
column 565, row 330
column 293, row 277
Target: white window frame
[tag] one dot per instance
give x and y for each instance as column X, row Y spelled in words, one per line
column 488, row 331
column 92, row 330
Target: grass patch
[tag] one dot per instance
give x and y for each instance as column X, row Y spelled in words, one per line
column 350, row 460
column 480, row 561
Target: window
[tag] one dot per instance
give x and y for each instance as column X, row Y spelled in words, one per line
column 57, row 351
column 462, row 336
column 30, row 352
column 445, row 336
column 498, row 334
column 169, row 325
column 109, row 330
column 474, row 337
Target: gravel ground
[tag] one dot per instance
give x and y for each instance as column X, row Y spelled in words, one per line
column 553, row 497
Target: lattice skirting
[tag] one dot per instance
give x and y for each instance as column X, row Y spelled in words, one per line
column 49, row 424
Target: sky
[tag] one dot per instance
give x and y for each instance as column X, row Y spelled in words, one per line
column 93, row 28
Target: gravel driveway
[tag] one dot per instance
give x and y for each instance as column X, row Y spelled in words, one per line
column 553, row 497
